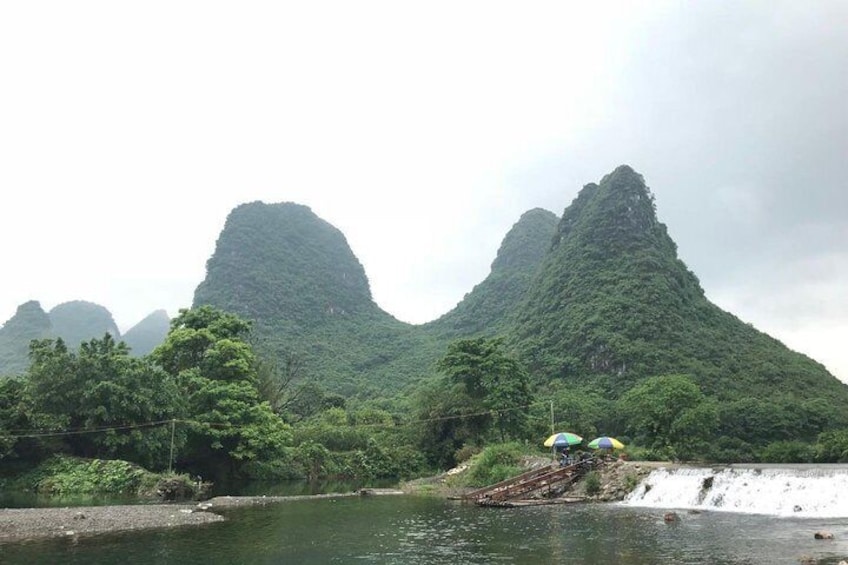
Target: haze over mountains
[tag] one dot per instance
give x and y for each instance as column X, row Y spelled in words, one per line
column 597, row 297
column 74, row 322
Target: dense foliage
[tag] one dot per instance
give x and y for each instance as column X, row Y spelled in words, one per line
column 295, row 277
column 287, row 368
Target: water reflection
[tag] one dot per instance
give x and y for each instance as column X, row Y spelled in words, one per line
column 426, row 530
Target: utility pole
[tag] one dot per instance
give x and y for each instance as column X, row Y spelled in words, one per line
column 171, row 457
column 553, row 431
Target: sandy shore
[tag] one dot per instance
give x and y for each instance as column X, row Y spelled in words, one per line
column 18, row 524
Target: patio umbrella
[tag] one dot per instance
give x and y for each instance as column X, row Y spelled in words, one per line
column 605, row 442
column 563, row 439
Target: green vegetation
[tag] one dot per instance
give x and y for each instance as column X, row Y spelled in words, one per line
column 70, row 475
column 592, row 483
column 29, row 322
column 286, row 367
column 488, row 307
column 494, row 464
column 78, row 321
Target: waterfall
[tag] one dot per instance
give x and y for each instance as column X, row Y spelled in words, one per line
column 819, row 491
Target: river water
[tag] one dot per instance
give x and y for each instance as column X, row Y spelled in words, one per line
column 418, row 529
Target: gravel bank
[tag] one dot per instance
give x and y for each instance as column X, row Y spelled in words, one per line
column 31, row 523
column 17, row 524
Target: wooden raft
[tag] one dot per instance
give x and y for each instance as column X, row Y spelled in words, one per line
column 533, row 487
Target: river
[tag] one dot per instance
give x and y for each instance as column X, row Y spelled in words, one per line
column 419, row 529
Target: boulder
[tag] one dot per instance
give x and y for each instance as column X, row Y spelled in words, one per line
column 823, row 535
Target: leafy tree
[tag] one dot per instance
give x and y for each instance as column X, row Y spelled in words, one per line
column 228, row 424
column 497, row 381
column 101, row 388
column 13, row 416
column 668, row 412
column 832, row 447
column 448, row 421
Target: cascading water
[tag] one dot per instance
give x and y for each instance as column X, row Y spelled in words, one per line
column 800, row 491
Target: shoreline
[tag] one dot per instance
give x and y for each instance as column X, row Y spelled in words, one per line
column 29, row 524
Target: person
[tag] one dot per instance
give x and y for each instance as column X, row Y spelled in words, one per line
column 565, row 460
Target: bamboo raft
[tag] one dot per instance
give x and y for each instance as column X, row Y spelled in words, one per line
column 533, row 488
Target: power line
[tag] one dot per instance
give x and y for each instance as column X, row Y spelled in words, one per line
column 20, row 434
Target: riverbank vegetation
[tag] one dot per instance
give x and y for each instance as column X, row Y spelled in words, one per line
column 204, row 404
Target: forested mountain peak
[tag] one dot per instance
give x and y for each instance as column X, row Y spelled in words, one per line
column 526, row 243
column 148, row 333
column 281, row 261
column 29, row 322
column 488, row 307
column 295, row 277
column 78, row 321
column 29, row 316
column 613, row 300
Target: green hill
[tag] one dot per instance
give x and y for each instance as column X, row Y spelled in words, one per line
column 612, row 303
column 295, row 277
column 148, row 333
column 598, row 298
column 78, row 321
column 488, row 308
column 29, row 322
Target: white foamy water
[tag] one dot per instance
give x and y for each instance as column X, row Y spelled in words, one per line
column 798, row 491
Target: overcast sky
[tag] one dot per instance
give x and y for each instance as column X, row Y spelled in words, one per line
column 128, row 131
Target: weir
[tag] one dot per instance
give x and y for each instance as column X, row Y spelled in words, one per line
column 804, row 491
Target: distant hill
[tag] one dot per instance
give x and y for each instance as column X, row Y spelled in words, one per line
column 597, row 298
column 75, row 322
column 148, row 333
column 612, row 299
column 295, row 276
column 488, row 308
column 29, row 322
column 78, row 321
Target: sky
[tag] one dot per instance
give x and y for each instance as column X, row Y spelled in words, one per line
column 423, row 130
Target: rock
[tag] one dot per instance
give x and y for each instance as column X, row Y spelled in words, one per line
column 203, row 507
column 823, row 535
column 843, row 562
column 670, row 517
column 807, row 560
column 797, row 508
column 79, row 516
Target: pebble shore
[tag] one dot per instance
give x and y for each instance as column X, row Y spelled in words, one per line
column 19, row 524
column 30, row 523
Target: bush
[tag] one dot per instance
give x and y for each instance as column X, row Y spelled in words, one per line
column 630, row 481
column 832, row 447
column 592, row 483
column 787, row 452
column 494, row 464
column 465, row 453
column 62, row 475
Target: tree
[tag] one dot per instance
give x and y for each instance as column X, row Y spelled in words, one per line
column 495, row 384
column 668, row 413
column 114, row 405
column 228, row 424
